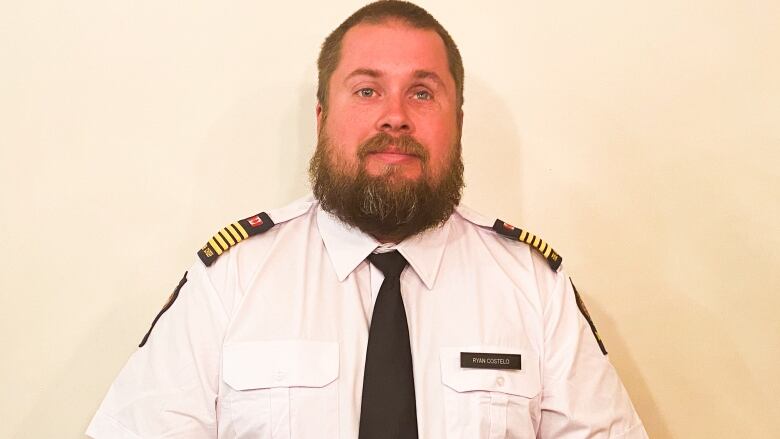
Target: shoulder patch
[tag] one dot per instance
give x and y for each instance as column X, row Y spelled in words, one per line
column 586, row 314
column 167, row 306
column 232, row 234
column 512, row 232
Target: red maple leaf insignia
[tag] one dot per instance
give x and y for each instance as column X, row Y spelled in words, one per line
column 255, row 221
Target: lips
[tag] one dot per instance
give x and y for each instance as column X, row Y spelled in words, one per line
column 392, row 149
column 392, row 156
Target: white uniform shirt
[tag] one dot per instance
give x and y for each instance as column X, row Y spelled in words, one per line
column 270, row 341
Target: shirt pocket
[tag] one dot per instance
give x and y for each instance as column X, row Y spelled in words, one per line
column 490, row 403
column 281, row 389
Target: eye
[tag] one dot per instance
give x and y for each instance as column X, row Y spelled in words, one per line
column 423, row 95
column 366, row 92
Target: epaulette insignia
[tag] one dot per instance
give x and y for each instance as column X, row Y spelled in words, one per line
column 553, row 258
column 231, row 235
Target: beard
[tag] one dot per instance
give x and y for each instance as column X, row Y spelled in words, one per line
column 387, row 206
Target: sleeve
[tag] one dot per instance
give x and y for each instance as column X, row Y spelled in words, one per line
column 169, row 386
column 582, row 395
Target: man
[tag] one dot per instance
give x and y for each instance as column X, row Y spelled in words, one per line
column 378, row 308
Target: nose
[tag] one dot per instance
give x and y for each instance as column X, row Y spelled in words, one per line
column 394, row 118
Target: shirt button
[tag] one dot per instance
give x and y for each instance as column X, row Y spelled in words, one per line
column 278, row 375
column 500, row 381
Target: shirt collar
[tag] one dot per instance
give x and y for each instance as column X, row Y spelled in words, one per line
column 348, row 246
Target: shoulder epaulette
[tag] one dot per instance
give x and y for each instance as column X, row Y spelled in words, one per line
column 512, row 232
column 232, row 234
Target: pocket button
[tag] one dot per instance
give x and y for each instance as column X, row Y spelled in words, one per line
column 500, row 381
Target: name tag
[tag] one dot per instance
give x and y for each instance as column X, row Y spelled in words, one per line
column 483, row 360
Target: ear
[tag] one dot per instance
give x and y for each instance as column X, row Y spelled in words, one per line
column 318, row 113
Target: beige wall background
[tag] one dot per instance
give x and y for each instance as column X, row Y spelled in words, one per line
column 640, row 138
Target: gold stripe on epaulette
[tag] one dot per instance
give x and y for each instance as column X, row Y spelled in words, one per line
column 226, row 236
column 221, row 241
column 214, row 246
column 241, row 230
column 234, row 233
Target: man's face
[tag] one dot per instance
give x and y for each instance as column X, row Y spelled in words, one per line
column 388, row 150
column 392, row 79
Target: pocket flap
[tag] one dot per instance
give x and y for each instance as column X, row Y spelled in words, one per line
column 524, row 382
column 288, row 363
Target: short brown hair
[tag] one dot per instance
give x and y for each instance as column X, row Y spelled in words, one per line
column 379, row 12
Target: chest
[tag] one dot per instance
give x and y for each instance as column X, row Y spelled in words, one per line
column 294, row 354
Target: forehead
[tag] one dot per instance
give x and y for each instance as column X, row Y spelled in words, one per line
column 394, row 48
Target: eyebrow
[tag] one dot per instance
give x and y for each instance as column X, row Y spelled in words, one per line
column 425, row 74
column 418, row 74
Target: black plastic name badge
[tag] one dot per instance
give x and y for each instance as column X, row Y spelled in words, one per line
column 483, row 360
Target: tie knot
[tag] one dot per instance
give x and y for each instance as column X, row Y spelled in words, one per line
column 391, row 264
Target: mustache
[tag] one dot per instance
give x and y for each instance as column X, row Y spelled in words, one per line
column 404, row 144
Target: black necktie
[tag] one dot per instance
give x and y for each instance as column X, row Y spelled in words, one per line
column 388, row 410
